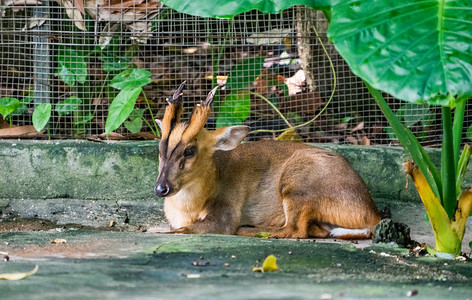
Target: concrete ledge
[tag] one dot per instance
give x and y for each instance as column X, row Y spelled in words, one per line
column 92, row 183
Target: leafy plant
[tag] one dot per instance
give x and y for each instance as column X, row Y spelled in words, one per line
column 42, row 112
column 234, row 110
column 67, row 106
column 420, row 61
column 229, row 9
column 23, row 106
column 469, row 133
column 7, row 106
column 136, row 121
column 130, row 83
column 41, row 116
column 71, row 66
column 236, row 106
column 243, row 74
column 423, row 116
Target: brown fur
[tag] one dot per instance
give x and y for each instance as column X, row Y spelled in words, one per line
column 289, row 189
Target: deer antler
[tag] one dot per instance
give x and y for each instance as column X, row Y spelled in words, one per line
column 199, row 117
column 173, row 111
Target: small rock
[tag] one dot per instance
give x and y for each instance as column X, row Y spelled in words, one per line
column 412, row 293
column 388, row 231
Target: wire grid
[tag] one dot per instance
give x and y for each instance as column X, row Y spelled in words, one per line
column 272, row 70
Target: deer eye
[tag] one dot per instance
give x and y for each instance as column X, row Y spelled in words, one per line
column 190, row 151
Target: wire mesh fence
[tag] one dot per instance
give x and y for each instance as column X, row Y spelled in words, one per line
column 273, row 72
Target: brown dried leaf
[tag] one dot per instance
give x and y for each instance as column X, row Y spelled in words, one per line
column 365, row 141
column 352, row 140
column 79, row 4
column 19, row 131
column 359, row 126
column 73, row 13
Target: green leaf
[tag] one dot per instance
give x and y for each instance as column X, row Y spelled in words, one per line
column 137, row 113
column 131, row 79
column 428, row 119
column 410, row 143
column 71, row 66
column 68, row 105
column 83, row 120
column 243, row 74
column 23, row 106
column 262, row 235
column 462, row 168
column 134, row 126
column 417, row 51
column 234, row 110
column 391, row 134
column 120, row 108
column 8, row 105
column 136, row 120
column 231, row 8
column 412, row 113
column 468, row 134
column 41, row 116
column 112, row 63
column 284, row 87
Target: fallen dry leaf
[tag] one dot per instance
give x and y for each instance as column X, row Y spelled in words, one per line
column 290, row 134
column 270, row 264
column 19, row 131
column 262, row 235
column 59, row 241
column 18, row 276
column 359, row 126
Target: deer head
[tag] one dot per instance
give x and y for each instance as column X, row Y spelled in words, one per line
column 186, row 148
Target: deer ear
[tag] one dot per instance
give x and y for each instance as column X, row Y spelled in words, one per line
column 159, row 122
column 228, row 138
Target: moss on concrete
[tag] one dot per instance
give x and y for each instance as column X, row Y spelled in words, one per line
column 78, row 170
column 114, row 265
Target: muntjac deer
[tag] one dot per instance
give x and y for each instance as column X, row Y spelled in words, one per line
column 214, row 184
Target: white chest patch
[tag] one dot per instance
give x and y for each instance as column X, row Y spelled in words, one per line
column 186, row 207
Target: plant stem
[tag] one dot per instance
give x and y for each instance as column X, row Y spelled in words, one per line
column 445, row 236
column 155, row 132
column 457, row 128
column 273, row 107
column 462, row 167
column 448, row 166
column 410, row 144
column 322, row 110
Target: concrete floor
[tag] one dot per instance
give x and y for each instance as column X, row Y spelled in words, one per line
column 97, row 264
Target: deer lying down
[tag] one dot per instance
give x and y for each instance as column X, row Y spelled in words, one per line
column 212, row 184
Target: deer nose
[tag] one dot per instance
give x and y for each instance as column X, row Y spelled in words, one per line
column 161, row 190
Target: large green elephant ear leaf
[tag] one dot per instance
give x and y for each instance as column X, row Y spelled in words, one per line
column 417, row 51
column 231, row 8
